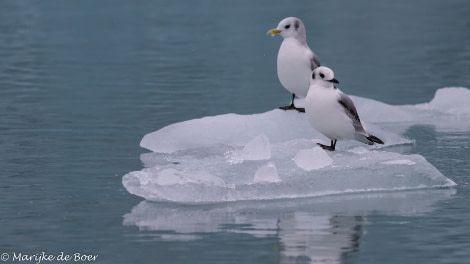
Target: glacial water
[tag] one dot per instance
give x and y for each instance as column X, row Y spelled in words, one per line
column 82, row 83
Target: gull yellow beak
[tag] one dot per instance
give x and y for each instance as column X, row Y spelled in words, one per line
column 273, row 32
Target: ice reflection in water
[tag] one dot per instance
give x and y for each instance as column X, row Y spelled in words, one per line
column 315, row 230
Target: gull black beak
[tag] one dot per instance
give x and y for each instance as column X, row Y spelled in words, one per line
column 333, row 81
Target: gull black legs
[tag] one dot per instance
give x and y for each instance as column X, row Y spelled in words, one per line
column 330, row 148
column 292, row 106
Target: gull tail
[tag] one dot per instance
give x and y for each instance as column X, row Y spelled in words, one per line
column 367, row 138
column 373, row 139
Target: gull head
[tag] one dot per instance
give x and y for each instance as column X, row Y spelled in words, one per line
column 289, row 27
column 324, row 76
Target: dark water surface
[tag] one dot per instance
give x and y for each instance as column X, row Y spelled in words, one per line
column 82, row 81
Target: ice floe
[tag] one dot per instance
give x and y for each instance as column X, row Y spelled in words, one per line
column 274, row 155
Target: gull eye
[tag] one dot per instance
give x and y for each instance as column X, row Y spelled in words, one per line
column 322, row 75
column 287, row 26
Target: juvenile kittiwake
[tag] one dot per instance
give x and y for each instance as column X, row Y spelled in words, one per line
column 332, row 113
column 295, row 60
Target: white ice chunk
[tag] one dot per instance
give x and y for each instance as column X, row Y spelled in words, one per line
column 238, row 130
column 267, row 173
column 449, row 110
column 230, row 129
column 257, row 149
column 273, row 155
column 452, row 100
column 312, row 159
column 348, row 172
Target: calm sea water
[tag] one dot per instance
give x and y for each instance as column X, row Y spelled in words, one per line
column 82, row 81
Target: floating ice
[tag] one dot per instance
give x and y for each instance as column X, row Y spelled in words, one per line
column 248, row 131
column 267, row 173
column 449, row 110
column 303, row 159
column 258, row 148
column 189, row 177
column 453, row 101
column 274, row 155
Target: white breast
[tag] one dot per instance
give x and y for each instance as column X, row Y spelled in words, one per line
column 293, row 67
column 326, row 115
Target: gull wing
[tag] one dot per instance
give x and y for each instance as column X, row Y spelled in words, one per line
column 314, row 61
column 350, row 110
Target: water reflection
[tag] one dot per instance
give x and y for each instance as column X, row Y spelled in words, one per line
column 319, row 238
column 315, row 230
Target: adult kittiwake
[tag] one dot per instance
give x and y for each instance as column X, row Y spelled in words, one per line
column 295, row 60
column 332, row 113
